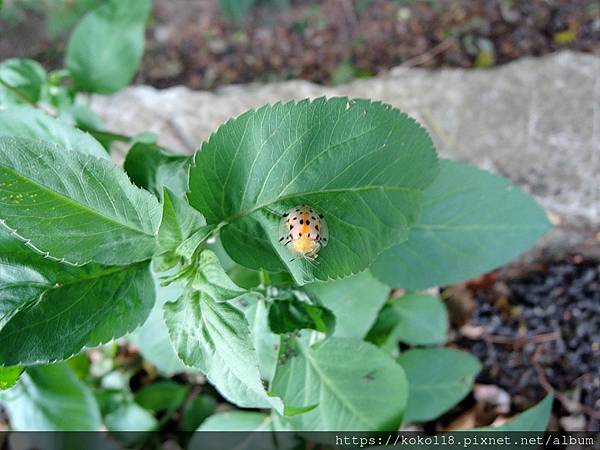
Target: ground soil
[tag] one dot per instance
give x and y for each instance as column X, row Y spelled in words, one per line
column 536, row 328
column 332, row 41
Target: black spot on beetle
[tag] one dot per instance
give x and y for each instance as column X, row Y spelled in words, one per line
column 286, row 214
column 291, row 226
column 325, row 239
column 317, row 227
column 308, row 235
column 320, row 216
column 299, row 234
column 313, row 217
column 294, row 218
column 301, row 221
column 280, row 239
column 307, row 222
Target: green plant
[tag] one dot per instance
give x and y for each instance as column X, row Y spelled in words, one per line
column 90, row 253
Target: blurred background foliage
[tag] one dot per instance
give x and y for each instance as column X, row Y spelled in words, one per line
column 208, row 43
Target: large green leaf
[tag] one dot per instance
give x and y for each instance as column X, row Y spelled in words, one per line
column 74, row 207
column 438, row 378
column 472, row 222
column 340, row 382
column 25, row 275
column 215, row 337
column 361, row 164
column 28, row 122
column 23, row 75
column 534, row 419
column 51, row 398
column 416, row 319
column 153, row 168
column 105, row 49
column 355, row 302
column 65, row 311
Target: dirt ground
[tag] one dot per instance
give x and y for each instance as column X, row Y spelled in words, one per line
column 332, row 41
column 536, row 329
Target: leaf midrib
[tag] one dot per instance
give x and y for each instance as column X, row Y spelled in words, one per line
column 72, row 305
column 243, row 214
column 74, row 203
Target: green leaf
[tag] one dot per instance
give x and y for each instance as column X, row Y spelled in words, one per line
column 9, row 376
column 179, row 222
column 264, row 340
column 188, row 247
column 130, row 417
column 63, row 15
column 65, row 311
column 534, row 419
column 161, row 396
column 339, row 382
column 355, row 302
column 438, row 378
column 236, row 421
column 152, row 338
column 31, row 123
column 88, row 121
column 415, row 319
column 105, row 49
column 287, row 316
column 23, row 75
column 196, row 411
column 153, row 168
column 231, row 424
column 361, row 164
column 51, row 398
column 49, row 195
column 211, row 279
column 214, row 337
column 472, row 222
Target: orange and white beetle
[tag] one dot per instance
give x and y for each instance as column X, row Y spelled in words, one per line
column 304, row 230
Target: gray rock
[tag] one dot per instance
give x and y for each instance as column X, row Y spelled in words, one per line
column 535, row 121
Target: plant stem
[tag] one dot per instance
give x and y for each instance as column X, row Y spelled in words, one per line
column 265, row 279
column 108, row 135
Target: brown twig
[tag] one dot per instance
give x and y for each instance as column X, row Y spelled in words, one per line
column 522, row 340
